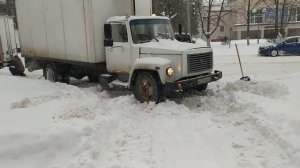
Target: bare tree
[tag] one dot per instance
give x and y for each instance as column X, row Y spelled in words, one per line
column 283, row 11
column 285, row 15
column 176, row 10
column 166, row 7
column 245, row 9
column 211, row 13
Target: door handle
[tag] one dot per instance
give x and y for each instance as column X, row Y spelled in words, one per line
column 122, row 48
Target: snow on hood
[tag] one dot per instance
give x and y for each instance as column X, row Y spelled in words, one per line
column 267, row 45
column 165, row 46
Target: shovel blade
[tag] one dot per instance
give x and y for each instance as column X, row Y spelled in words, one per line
column 245, row 78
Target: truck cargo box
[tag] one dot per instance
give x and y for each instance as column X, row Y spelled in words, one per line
column 69, row 30
column 7, row 36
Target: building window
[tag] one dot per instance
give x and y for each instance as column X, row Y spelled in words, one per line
column 295, row 15
column 293, row 32
column 253, row 34
column 222, row 28
column 271, row 14
column 270, row 34
column 256, row 16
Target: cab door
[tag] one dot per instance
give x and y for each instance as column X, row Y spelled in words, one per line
column 118, row 56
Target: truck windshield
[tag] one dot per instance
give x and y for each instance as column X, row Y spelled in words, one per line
column 146, row 30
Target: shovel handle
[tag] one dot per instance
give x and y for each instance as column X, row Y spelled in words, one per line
column 238, row 54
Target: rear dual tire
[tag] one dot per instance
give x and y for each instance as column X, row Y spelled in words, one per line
column 93, row 78
column 54, row 74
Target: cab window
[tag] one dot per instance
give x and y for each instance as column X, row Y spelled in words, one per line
column 119, row 33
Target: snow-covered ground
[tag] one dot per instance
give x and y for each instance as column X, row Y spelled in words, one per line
column 234, row 124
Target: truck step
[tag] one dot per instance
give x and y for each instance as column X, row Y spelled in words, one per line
column 119, row 83
column 105, row 79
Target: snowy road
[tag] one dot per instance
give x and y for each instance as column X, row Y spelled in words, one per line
column 233, row 124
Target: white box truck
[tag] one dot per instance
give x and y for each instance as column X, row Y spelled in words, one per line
column 8, row 43
column 111, row 43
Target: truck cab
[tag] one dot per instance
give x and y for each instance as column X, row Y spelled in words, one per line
column 142, row 54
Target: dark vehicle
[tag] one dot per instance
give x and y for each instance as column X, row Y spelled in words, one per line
column 184, row 38
column 219, row 39
column 289, row 46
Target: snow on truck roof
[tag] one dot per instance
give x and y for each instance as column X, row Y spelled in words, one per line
column 124, row 18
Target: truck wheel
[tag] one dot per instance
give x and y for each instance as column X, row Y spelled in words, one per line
column 93, row 78
column 52, row 74
column 274, row 53
column 66, row 79
column 147, row 88
column 201, row 88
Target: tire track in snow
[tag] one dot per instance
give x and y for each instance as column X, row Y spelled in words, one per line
column 269, row 134
column 231, row 114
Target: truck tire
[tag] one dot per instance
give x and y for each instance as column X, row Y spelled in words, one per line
column 202, row 87
column 66, row 79
column 148, row 88
column 52, row 74
column 93, row 78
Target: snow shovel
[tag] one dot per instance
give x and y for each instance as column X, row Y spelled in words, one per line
column 244, row 78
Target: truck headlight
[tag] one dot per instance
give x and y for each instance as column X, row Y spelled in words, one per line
column 170, row 71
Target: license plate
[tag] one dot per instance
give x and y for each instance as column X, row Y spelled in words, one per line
column 204, row 80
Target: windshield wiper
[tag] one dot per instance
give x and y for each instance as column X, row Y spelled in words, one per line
column 150, row 38
column 166, row 36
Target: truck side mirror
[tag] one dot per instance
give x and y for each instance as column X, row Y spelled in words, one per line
column 108, row 41
column 107, row 31
column 180, row 29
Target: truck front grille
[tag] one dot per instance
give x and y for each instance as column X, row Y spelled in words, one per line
column 199, row 62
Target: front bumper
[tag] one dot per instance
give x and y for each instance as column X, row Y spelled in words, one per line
column 192, row 82
column 263, row 51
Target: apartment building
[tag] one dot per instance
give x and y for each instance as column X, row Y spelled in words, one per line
column 262, row 20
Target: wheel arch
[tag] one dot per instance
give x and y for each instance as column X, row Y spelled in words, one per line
column 155, row 65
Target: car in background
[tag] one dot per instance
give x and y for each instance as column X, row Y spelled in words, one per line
column 223, row 39
column 289, row 46
column 219, row 39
